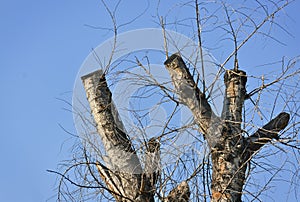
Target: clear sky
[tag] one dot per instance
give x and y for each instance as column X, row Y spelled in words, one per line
column 42, row 46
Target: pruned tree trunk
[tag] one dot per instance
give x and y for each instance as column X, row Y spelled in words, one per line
column 123, row 173
column 128, row 168
column 230, row 150
column 228, row 157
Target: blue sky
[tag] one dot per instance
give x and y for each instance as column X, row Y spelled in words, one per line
column 43, row 44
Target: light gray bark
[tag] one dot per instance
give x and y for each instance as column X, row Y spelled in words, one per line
column 123, row 173
column 230, row 150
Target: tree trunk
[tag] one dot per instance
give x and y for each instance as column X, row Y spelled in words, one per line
column 123, row 173
column 230, row 150
column 228, row 156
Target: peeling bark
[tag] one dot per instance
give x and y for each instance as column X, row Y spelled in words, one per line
column 152, row 168
column 188, row 92
column 152, row 162
column 181, row 193
column 123, row 174
column 230, row 150
column 228, row 157
column 235, row 83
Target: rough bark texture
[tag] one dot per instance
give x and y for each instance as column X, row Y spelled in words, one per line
column 228, row 156
column 180, row 193
column 152, row 164
column 123, row 174
column 230, row 150
column 268, row 132
column 188, row 92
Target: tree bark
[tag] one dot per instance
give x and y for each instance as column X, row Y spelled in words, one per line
column 123, row 173
column 268, row 132
column 228, row 157
column 188, row 92
column 180, row 193
column 230, row 150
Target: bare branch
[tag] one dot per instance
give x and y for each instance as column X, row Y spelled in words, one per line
column 268, row 132
column 199, row 32
column 267, row 18
column 188, row 92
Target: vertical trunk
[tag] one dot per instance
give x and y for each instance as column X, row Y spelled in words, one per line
column 223, row 135
column 230, row 150
column 228, row 156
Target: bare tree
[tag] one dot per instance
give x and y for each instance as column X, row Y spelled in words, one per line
column 253, row 126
